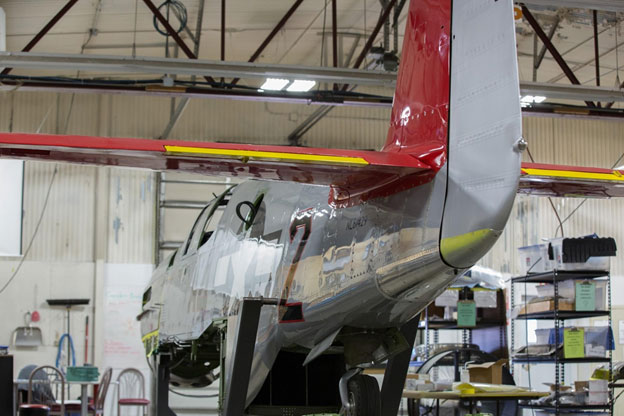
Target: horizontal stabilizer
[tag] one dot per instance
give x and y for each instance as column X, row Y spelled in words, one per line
column 570, row 181
column 354, row 175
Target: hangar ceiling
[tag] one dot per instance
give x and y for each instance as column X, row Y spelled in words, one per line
column 124, row 28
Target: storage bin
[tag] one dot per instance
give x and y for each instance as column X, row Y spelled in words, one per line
column 534, row 259
column 543, row 335
column 593, row 263
column 567, row 290
column 594, row 335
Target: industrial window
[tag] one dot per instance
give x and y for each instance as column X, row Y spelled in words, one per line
column 196, row 227
column 11, row 189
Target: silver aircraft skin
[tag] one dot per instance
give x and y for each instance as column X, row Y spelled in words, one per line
column 368, row 266
column 373, row 265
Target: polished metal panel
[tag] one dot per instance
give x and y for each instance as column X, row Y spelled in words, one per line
column 483, row 159
column 380, row 259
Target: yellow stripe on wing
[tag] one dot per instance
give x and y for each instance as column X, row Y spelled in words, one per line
column 255, row 154
column 613, row 176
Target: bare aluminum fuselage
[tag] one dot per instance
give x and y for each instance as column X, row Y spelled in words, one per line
column 373, row 265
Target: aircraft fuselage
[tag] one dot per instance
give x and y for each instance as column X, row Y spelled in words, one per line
column 372, row 265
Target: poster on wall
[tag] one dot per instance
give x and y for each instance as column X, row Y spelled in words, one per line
column 123, row 291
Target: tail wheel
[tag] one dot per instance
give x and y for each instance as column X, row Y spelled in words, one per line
column 364, row 396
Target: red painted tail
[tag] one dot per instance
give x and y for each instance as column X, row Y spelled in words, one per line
column 419, row 122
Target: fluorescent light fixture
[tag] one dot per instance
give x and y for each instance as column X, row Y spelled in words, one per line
column 274, row 84
column 300, row 85
column 532, row 99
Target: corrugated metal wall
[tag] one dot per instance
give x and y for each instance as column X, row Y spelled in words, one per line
column 68, row 230
column 598, row 143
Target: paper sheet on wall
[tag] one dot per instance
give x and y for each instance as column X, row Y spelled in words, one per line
column 621, row 332
column 123, row 291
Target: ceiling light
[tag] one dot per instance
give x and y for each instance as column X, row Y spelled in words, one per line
column 274, row 84
column 300, row 85
column 530, row 99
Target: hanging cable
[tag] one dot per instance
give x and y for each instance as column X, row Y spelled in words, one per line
column 617, row 54
column 178, row 9
column 32, row 239
column 585, row 200
column 61, row 348
column 552, row 204
column 136, row 11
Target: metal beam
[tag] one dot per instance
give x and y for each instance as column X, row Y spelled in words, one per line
column 551, row 48
column 606, row 5
column 171, row 31
column 223, row 30
column 334, row 34
column 274, row 32
column 183, row 204
column 384, row 16
column 127, row 64
column 184, row 101
column 572, row 92
column 396, row 371
column 596, row 47
column 552, row 91
column 314, row 97
column 45, row 30
column 542, row 52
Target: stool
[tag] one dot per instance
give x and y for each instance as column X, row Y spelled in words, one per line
column 34, row 410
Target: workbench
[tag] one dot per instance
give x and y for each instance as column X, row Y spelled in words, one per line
column 472, row 398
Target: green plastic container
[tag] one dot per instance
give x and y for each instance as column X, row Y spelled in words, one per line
column 84, row 373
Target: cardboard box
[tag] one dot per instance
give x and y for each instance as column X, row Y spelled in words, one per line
column 547, row 305
column 591, row 385
column 491, row 373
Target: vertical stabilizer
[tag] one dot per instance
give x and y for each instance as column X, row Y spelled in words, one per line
column 485, row 127
column 457, row 106
column 419, row 122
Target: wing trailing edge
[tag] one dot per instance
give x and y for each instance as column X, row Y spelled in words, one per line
column 570, row 181
column 353, row 175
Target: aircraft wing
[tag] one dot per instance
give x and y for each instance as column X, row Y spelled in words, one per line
column 570, row 181
column 354, row 175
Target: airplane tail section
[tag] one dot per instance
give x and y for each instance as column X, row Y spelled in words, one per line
column 419, row 121
column 457, row 107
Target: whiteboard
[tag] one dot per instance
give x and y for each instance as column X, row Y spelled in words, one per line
column 124, row 285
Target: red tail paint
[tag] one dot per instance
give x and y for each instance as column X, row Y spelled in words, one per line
column 419, row 122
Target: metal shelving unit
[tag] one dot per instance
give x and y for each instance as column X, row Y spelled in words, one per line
column 435, row 325
column 559, row 317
